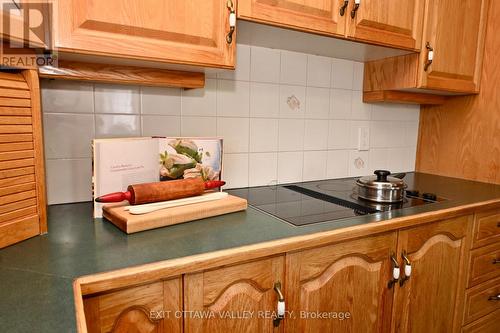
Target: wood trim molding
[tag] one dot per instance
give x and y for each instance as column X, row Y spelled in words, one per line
column 395, row 96
column 106, row 73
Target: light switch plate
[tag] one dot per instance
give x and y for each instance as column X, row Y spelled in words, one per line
column 363, row 138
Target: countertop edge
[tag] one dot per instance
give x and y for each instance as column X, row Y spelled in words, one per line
column 145, row 273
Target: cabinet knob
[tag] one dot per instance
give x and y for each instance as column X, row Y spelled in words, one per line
column 494, row 298
column 430, row 56
column 496, row 261
column 280, row 313
column 355, row 8
column 232, row 21
column 395, row 272
column 343, row 7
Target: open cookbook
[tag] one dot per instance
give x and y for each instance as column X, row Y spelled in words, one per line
column 120, row 162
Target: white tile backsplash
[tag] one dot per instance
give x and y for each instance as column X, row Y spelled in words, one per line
column 264, row 100
column 68, row 135
column 199, row 126
column 200, row 102
column 234, row 131
column 67, row 97
column 69, row 180
column 110, row 98
column 342, row 74
column 293, row 68
column 161, row 125
column 318, row 71
column 264, row 65
column 318, row 103
column 233, row 98
column 161, row 101
column 262, row 169
column 291, row 135
column 314, row 165
column 316, row 134
column 263, row 135
column 284, row 117
column 290, row 167
column 117, row 125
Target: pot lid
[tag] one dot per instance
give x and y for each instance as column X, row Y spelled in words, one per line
column 381, row 180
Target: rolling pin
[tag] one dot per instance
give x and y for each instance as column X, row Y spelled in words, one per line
column 162, row 191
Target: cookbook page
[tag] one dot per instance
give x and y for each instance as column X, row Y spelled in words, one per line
column 121, row 162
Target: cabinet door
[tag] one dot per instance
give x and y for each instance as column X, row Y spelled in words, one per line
column 395, row 23
column 22, row 173
column 331, row 281
column 455, row 30
column 151, row 308
column 431, row 300
column 233, row 298
column 319, row 16
column 187, row 31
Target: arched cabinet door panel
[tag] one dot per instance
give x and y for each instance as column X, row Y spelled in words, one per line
column 346, row 282
column 429, row 301
column 148, row 308
column 238, row 298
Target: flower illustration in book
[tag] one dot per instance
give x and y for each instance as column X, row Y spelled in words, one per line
column 186, row 158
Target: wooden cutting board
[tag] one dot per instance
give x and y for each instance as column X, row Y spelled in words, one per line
column 116, row 214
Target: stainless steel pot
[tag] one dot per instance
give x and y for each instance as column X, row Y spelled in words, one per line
column 381, row 187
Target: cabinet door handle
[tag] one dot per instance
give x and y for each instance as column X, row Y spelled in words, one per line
column 496, row 261
column 232, row 21
column 430, row 56
column 395, row 272
column 280, row 313
column 494, row 298
column 355, row 8
column 407, row 269
column 343, row 7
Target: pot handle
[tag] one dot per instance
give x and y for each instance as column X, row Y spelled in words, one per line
column 382, row 175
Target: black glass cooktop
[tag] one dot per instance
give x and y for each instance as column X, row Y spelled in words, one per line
column 319, row 201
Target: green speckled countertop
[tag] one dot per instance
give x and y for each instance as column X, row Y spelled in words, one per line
column 36, row 275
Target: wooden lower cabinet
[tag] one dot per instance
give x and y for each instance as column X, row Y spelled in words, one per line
column 151, row 308
column 337, row 287
column 430, row 300
column 341, row 287
column 238, row 298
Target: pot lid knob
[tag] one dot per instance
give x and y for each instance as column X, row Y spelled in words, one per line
column 382, row 175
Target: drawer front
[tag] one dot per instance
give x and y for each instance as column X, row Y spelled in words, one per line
column 484, row 264
column 487, row 324
column 482, row 300
column 486, row 228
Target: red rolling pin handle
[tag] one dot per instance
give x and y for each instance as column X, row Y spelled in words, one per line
column 211, row 184
column 114, row 197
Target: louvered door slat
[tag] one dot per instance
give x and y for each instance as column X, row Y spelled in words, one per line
column 22, row 177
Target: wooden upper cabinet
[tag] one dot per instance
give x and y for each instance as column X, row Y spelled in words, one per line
column 187, row 32
column 350, row 277
column 431, row 299
column 455, row 30
column 389, row 22
column 214, row 299
column 151, row 308
column 318, row 16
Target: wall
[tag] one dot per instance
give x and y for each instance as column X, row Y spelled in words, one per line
column 462, row 137
column 284, row 116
